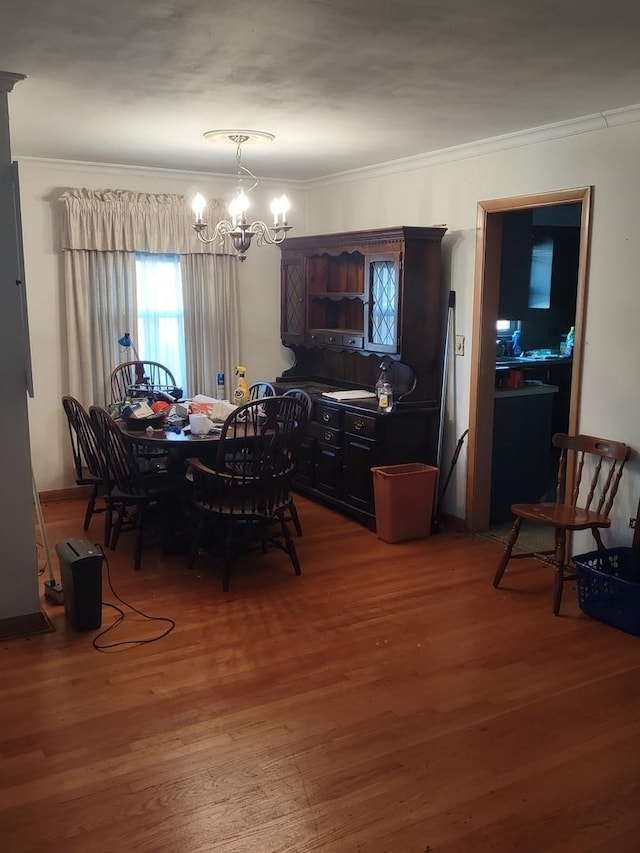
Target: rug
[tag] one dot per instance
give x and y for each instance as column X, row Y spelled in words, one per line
column 533, row 537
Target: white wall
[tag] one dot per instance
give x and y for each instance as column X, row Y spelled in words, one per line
column 424, row 194
column 41, row 185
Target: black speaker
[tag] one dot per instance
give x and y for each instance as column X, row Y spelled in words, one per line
column 81, row 578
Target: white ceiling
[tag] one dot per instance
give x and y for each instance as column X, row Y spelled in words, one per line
column 341, row 84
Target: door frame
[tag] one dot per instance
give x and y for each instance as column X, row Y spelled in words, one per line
column 485, row 315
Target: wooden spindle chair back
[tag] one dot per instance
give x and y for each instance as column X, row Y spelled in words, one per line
column 583, row 502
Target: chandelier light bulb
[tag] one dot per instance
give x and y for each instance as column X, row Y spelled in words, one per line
column 198, row 205
column 238, row 207
column 284, row 208
column 279, row 207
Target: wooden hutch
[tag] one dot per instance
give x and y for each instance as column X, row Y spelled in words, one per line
column 349, row 301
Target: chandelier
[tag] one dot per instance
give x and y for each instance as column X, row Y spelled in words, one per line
column 237, row 228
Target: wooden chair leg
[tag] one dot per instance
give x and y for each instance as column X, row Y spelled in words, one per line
column 295, row 518
column 108, row 523
column 91, row 505
column 506, row 556
column 598, row 538
column 117, row 528
column 558, row 559
column 137, row 557
column 289, row 544
column 195, row 542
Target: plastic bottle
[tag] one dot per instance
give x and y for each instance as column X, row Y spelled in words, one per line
column 570, row 340
column 384, row 391
column 241, row 393
column 516, row 343
column 220, row 386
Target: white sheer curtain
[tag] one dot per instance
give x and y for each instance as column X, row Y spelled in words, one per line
column 210, row 294
column 101, row 231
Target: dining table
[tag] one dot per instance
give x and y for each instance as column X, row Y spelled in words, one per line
column 171, row 447
column 180, row 443
column 174, row 443
column 185, row 443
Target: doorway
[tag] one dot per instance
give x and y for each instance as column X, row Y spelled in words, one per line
column 489, row 237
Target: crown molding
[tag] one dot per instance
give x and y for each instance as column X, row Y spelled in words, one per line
column 148, row 171
column 9, row 80
column 625, row 115
column 518, row 139
column 533, row 136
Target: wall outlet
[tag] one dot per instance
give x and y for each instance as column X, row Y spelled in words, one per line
column 632, row 523
column 459, row 344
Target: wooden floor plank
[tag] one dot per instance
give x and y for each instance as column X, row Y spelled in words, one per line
column 389, row 700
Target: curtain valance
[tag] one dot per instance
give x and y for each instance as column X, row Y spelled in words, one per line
column 121, row 220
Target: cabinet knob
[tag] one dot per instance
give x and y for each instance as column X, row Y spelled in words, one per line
column 328, row 435
column 326, row 417
column 358, row 424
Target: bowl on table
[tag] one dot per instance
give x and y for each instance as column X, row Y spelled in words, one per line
column 140, row 424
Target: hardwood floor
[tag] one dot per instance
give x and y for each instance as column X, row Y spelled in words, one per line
column 388, row 701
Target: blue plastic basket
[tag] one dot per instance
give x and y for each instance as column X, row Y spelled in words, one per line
column 609, row 587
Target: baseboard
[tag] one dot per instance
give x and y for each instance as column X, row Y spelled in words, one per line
column 454, row 522
column 25, row 626
column 73, row 493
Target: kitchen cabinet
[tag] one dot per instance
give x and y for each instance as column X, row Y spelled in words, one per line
column 521, row 463
column 515, row 265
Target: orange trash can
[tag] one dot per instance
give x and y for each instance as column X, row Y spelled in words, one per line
column 403, row 496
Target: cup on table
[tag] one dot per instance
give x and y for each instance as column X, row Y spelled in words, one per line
column 200, row 424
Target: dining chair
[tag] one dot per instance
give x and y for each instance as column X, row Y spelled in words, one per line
column 241, row 501
column 298, row 394
column 142, row 378
column 597, row 465
column 133, row 493
column 261, row 389
column 87, row 456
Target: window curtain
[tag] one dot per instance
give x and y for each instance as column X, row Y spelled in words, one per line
column 119, row 223
column 100, row 306
column 210, row 295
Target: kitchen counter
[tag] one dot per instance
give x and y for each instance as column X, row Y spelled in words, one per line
column 527, row 390
column 513, row 362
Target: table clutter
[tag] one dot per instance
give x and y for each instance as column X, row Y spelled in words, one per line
column 200, row 416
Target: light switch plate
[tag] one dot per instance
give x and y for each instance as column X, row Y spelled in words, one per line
column 459, row 344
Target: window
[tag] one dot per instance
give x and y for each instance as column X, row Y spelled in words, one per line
column 160, row 314
column 540, row 274
column 383, row 297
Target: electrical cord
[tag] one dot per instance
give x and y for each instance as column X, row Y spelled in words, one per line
column 101, row 647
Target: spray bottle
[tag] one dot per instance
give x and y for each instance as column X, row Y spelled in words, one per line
column 241, row 393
